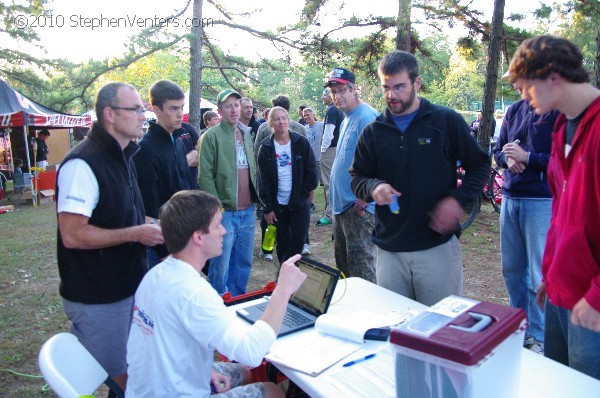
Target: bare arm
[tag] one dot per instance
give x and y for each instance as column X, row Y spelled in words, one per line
column 290, row 279
column 77, row 233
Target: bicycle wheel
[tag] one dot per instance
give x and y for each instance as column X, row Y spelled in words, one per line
column 470, row 213
column 495, row 189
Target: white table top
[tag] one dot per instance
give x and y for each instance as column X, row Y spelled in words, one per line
column 540, row 376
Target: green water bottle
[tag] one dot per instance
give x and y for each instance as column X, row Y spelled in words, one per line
column 269, row 240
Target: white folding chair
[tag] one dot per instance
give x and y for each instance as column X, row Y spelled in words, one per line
column 70, row 370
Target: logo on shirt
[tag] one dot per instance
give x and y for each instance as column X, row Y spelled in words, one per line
column 242, row 159
column 312, row 136
column 424, row 141
column 75, row 198
column 143, row 320
column 283, row 160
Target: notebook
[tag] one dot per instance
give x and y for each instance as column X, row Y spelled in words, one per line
column 311, row 300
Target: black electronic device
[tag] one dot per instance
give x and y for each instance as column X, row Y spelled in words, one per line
column 380, row 334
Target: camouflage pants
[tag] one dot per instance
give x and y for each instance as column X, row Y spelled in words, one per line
column 354, row 251
column 234, row 371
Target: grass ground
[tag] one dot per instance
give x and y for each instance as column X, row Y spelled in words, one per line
column 31, row 308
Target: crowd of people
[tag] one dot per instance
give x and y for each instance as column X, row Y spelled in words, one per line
column 140, row 218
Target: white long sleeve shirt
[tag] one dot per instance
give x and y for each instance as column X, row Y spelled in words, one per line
column 178, row 321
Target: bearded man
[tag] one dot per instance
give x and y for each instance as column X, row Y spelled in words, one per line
column 411, row 151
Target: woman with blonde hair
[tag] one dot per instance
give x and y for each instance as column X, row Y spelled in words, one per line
column 287, row 173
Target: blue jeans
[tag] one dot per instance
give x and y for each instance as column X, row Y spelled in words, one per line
column 231, row 270
column 524, row 224
column 573, row 346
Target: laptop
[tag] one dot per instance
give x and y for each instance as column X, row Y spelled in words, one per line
column 310, row 300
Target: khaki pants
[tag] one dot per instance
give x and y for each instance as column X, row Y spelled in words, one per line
column 325, row 164
column 426, row 276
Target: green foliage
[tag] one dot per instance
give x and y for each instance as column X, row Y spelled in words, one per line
column 144, row 72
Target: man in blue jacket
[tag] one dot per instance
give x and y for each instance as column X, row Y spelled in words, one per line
column 411, row 151
column 526, row 209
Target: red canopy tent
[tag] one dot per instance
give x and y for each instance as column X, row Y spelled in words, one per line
column 18, row 112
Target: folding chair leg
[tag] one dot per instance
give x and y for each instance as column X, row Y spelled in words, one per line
column 114, row 390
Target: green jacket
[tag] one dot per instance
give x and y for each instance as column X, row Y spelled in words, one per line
column 217, row 168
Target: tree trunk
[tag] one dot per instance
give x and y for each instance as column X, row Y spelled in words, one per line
column 491, row 78
column 195, row 115
column 403, row 38
column 596, row 79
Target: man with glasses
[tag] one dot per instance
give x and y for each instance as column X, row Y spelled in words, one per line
column 102, row 229
column 353, row 218
column 227, row 170
column 161, row 164
column 411, row 151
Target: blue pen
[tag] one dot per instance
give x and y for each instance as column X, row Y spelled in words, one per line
column 358, row 360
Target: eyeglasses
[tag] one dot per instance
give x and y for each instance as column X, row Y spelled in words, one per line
column 136, row 109
column 398, row 88
column 339, row 91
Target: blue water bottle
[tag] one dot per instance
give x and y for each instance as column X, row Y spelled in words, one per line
column 394, row 206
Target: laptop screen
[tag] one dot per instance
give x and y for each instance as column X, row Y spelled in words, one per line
column 315, row 293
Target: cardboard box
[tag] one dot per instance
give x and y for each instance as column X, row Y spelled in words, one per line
column 43, row 198
column 467, row 350
column 27, row 196
column 46, row 196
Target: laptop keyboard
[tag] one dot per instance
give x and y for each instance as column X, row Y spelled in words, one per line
column 291, row 318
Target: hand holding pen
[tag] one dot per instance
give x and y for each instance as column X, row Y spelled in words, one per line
column 518, row 155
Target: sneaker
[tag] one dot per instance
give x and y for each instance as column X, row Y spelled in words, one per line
column 305, row 250
column 266, row 256
column 313, row 207
column 534, row 345
column 324, row 221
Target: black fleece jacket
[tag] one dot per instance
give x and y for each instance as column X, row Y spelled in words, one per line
column 421, row 164
column 162, row 170
column 304, row 173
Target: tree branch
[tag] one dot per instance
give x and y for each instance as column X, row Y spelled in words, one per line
column 241, row 72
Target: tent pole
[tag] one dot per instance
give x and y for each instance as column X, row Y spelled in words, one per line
column 26, row 134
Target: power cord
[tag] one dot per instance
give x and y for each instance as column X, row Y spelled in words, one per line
column 345, row 287
column 44, row 388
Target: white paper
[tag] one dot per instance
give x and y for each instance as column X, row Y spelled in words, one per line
column 352, row 326
column 311, row 352
column 452, row 306
column 371, row 378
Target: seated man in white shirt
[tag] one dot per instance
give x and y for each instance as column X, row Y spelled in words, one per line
column 179, row 319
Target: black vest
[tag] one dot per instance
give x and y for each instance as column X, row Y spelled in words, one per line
column 108, row 275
